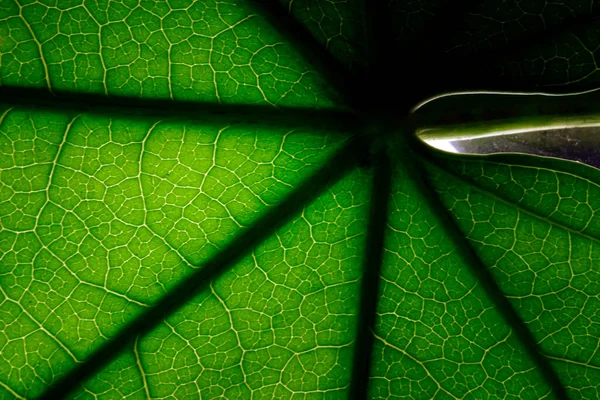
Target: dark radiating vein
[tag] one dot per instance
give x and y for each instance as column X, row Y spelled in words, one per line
column 464, row 249
column 346, row 82
column 369, row 294
column 180, row 294
column 185, row 110
column 502, row 198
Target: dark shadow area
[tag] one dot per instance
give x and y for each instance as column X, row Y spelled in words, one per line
column 385, row 76
column 227, row 114
column 576, row 24
column 429, row 66
column 423, row 157
column 401, row 74
column 349, row 84
column 431, row 69
column 474, row 69
column 337, row 167
column 451, row 17
column 369, row 292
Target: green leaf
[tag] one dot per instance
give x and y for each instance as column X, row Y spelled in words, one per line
column 438, row 332
column 211, row 51
column 277, row 323
column 101, row 216
column 221, row 199
column 537, row 232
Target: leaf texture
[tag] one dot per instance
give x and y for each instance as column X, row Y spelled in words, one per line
column 101, row 217
column 538, row 234
column 198, row 51
column 278, row 324
column 224, row 229
column 438, row 335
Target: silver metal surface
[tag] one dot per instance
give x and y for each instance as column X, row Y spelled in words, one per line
column 563, row 126
column 575, row 144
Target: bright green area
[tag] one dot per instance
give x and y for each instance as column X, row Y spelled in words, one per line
column 535, row 223
column 279, row 324
column 102, row 215
column 437, row 335
column 217, row 51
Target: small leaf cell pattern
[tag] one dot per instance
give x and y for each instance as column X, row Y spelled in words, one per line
column 299, row 199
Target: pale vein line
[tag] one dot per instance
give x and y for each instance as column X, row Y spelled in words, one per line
column 8, row 389
column 211, row 64
column 74, row 273
column 54, row 163
column 482, row 92
column 47, row 191
column 212, row 51
column 61, row 344
column 145, row 200
column 183, row 338
column 538, row 168
column 82, row 282
column 142, row 152
column 569, row 361
column 237, row 336
column 100, row 26
column 169, row 61
column 138, row 360
column 510, row 203
column 170, row 73
column 230, row 317
column 214, row 157
column 39, row 44
column 408, row 355
column 4, row 115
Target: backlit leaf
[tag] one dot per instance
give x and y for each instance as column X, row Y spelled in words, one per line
column 228, row 199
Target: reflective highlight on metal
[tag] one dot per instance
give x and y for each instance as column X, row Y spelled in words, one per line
column 575, row 144
column 566, row 127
